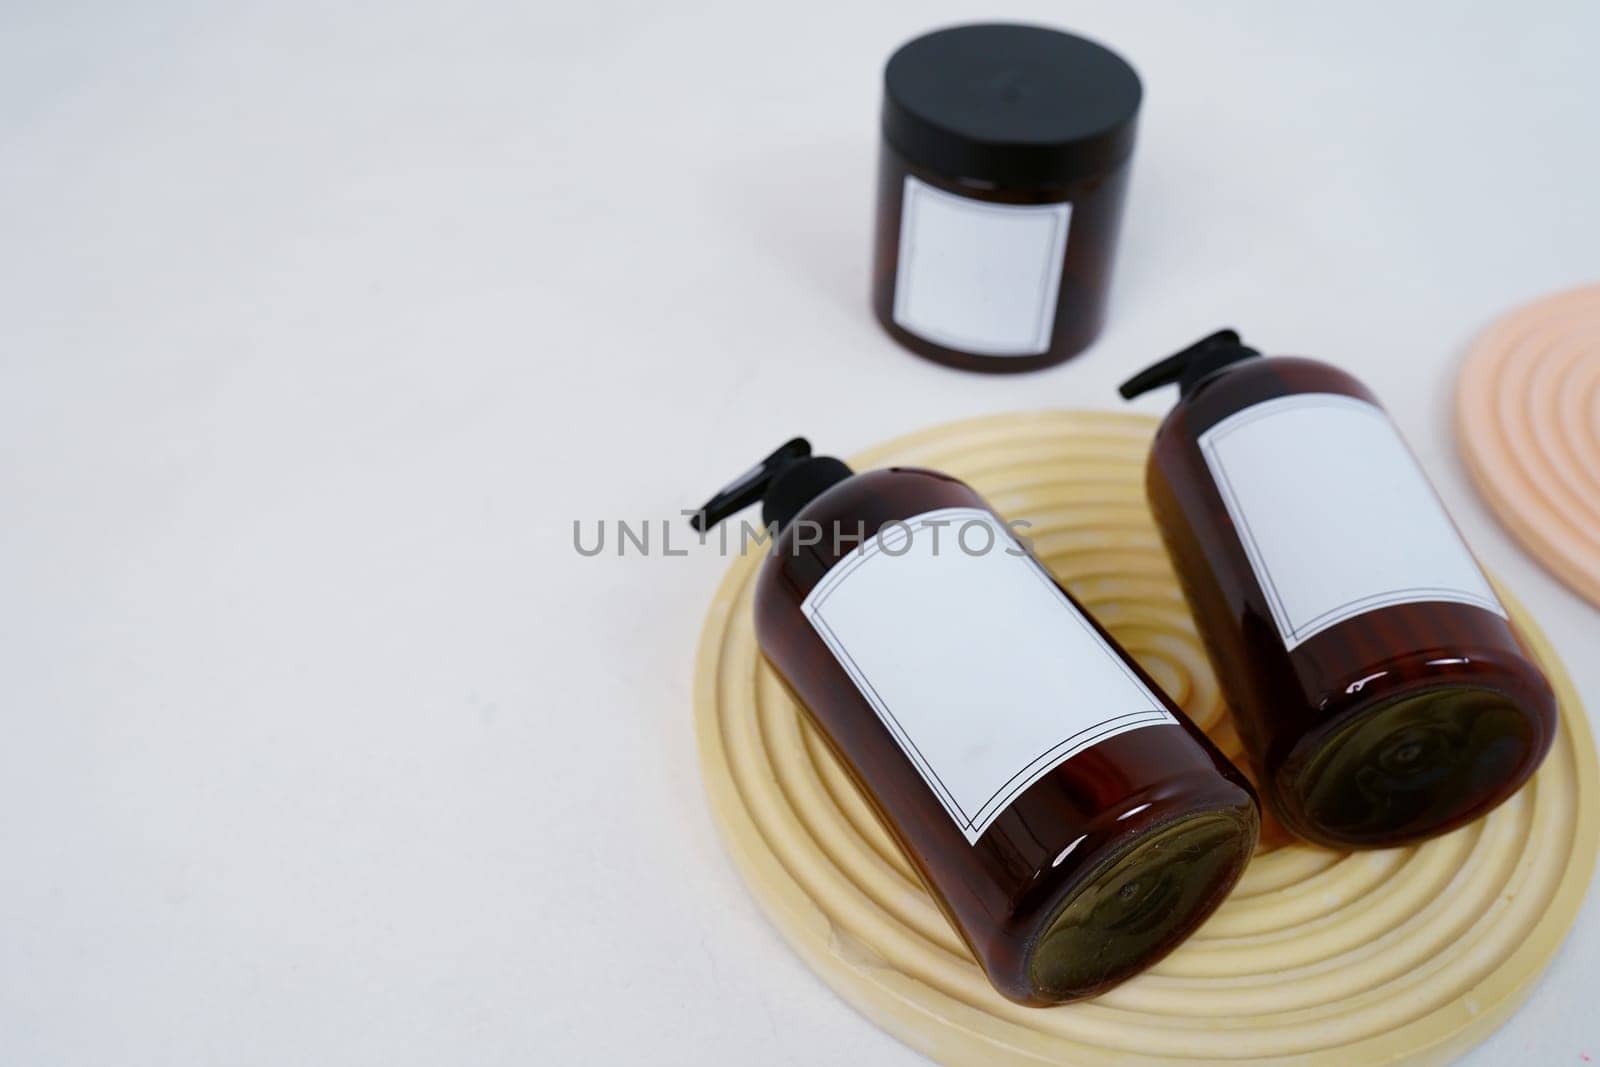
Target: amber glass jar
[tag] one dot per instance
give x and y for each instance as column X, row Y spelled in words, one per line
column 1000, row 187
column 1380, row 688
column 1072, row 823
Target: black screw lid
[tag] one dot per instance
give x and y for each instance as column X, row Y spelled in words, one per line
column 1015, row 105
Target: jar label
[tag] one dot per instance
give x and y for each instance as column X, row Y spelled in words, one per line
column 974, row 659
column 1336, row 517
column 976, row 276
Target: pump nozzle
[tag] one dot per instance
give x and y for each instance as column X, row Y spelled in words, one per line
column 784, row 483
column 750, row 486
column 1186, row 368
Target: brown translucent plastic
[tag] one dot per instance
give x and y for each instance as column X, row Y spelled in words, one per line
column 1093, row 873
column 1085, row 272
column 1385, row 729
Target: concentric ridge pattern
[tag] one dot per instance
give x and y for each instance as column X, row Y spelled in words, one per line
column 1318, row 958
column 1528, row 423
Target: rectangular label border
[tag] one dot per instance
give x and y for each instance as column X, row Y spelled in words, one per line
column 1294, row 636
column 1050, row 287
column 973, row 825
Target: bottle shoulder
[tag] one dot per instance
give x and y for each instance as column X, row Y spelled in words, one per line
column 841, row 518
column 883, row 495
column 1243, row 385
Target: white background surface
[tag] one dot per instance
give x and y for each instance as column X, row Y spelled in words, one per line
column 319, row 326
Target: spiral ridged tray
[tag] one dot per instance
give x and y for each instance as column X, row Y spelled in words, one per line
column 1318, row 958
column 1528, row 423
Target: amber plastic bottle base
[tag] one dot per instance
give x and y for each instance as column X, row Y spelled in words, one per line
column 1409, row 768
column 1139, row 903
column 951, row 357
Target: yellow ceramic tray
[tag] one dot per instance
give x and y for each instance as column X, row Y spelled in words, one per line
column 1403, row 956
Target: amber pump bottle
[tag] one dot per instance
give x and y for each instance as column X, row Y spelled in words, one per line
column 1071, row 822
column 1380, row 689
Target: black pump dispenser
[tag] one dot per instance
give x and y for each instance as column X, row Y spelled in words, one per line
column 1188, row 367
column 784, row 482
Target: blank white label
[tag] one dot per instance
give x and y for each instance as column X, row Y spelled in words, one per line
column 1335, row 515
column 976, row 276
column 974, row 659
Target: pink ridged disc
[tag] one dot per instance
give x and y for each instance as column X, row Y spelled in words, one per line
column 1528, row 419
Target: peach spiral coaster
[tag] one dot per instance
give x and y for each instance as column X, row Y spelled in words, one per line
column 1318, row 958
column 1528, row 420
